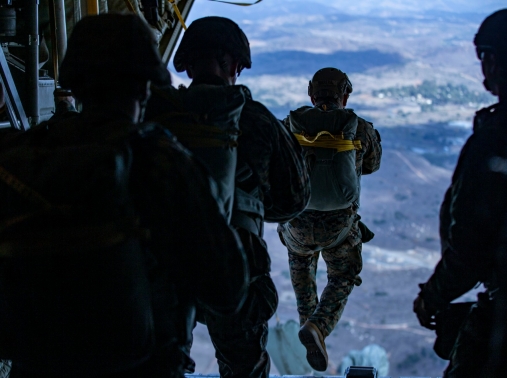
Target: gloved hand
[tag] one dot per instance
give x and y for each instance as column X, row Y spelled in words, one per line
column 426, row 317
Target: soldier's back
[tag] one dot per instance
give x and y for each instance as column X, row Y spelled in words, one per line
column 97, row 212
column 71, row 257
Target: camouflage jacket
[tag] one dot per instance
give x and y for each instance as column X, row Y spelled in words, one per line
column 473, row 213
column 368, row 159
column 273, row 154
column 167, row 191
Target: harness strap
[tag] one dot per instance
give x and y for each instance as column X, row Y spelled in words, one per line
column 13, row 182
column 178, row 14
column 15, row 220
column 72, row 239
column 105, row 235
column 340, row 238
column 198, row 135
column 255, row 225
column 325, row 139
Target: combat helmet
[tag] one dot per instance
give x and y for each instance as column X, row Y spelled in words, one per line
column 213, row 33
column 329, row 82
column 492, row 35
column 112, row 46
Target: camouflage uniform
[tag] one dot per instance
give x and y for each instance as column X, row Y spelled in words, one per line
column 100, row 266
column 471, row 219
column 170, row 192
column 280, row 181
column 313, row 229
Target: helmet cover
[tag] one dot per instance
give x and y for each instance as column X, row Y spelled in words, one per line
column 492, row 34
column 329, row 82
column 213, row 33
column 118, row 45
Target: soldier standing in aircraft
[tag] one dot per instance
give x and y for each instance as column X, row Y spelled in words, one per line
column 99, row 260
column 338, row 147
column 473, row 216
column 271, row 182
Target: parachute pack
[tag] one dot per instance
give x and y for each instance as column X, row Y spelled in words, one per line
column 73, row 274
column 205, row 119
column 328, row 141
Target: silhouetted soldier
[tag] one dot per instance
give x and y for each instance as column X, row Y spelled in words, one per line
column 100, row 263
column 271, row 182
column 472, row 216
column 339, row 147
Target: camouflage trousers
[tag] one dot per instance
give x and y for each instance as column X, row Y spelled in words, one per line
column 306, row 237
column 470, row 353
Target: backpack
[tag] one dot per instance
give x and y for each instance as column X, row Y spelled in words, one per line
column 205, row 119
column 74, row 284
column 329, row 145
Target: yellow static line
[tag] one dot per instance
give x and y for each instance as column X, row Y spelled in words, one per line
column 325, row 139
column 130, row 6
column 92, row 7
column 178, row 14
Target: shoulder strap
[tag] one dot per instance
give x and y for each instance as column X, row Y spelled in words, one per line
column 192, row 129
column 27, row 192
column 13, row 182
column 104, row 235
column 199, row 135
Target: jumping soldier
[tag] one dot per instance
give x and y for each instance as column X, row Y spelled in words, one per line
column 271, row 183
column 338, row 147
column 472, row 219
column 99, row 264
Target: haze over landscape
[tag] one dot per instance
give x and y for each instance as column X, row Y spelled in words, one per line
column 416, row 77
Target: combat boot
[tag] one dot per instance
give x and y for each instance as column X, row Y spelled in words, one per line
column 313, row 340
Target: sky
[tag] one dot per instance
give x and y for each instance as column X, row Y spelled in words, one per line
column 385, row 8
column 360, row 36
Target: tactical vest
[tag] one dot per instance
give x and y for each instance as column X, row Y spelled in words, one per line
column 73, row 274
column 206, row 121
column 328, row 141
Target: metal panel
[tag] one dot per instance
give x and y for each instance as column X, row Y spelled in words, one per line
column 171, row 35
column 61, row 28
column 14, row 106
column 32, row 62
